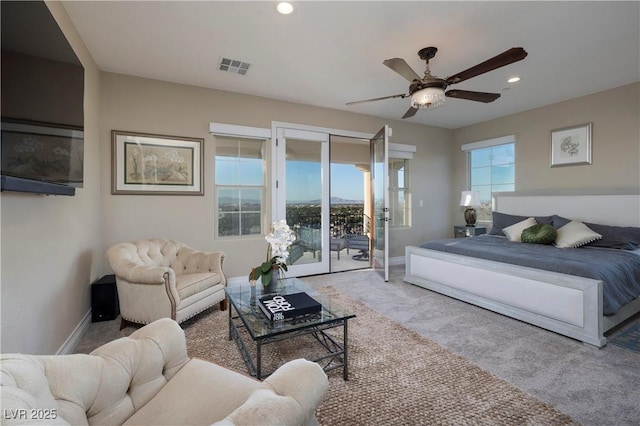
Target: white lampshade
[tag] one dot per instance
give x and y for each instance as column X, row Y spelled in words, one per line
column 430, row 97
column 470, row 198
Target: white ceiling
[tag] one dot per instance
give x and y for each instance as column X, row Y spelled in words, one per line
column 328, row 53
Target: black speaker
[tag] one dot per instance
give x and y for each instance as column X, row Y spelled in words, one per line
column 104, row 299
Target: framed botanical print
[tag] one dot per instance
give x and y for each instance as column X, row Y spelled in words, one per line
column 571, row 146
column 148, row 164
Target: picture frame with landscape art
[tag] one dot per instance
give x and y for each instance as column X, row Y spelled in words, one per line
column 571, row 146
column 148, row 164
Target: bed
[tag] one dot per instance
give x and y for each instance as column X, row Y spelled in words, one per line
column 568, row 304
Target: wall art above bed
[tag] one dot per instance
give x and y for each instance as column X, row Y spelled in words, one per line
column 571, row 146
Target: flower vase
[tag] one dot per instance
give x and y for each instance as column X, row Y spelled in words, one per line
column 273, row 284
column 252, row 295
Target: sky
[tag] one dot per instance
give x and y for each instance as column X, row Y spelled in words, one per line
column 303, row 181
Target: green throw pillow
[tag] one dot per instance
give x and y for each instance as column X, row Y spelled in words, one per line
column 539, row 234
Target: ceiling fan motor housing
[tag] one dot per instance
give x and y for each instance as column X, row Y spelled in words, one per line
column 433, row 82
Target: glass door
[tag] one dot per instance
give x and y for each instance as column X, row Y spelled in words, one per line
column 350, row 210
column 302, row 197
column 380, row 197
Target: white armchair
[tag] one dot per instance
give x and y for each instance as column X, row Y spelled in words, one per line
column 160, row 278
column 148, row 379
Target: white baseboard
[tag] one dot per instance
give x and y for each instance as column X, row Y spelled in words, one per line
column 69, row 346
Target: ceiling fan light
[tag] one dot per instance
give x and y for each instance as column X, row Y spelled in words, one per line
column 430, row 97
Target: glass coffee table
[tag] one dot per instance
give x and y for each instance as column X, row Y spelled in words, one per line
column 249, row 326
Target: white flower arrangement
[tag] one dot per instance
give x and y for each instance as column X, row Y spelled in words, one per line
column 280, row 239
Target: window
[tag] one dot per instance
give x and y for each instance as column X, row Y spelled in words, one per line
column 399, row 196
column 491, row 169
column 239, row 186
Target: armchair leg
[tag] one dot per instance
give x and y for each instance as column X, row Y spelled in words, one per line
column 223, row 305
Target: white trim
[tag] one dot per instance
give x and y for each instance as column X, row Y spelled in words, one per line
column 69, row 345
column 400, row 154
column 489, row 142
column 306, row 135
column 399, row 260
column 331, row 131
column 402, row 147
column 221, row 129
column 399, row 150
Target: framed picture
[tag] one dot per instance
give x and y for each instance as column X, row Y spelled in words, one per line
column 146, row 164
column 571, row 146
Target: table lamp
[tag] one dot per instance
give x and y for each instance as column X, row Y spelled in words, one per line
column 469, row 199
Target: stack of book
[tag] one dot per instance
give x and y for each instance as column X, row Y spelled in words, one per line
column 281, row 307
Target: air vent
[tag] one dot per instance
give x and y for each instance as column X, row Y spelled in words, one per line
column 234, row 66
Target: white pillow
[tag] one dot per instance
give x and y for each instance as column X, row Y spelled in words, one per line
column 575, row 234
column 514, row 232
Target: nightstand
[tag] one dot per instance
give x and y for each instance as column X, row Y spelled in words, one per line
column 462, row 231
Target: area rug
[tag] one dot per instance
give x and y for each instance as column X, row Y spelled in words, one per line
column 396, row 376
column 628, row 338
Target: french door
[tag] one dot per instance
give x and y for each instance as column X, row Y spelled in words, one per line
column 302, row 196
column 302, row 183
column 380, row 205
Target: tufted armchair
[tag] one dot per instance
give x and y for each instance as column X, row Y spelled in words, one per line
column 148, row 379
column 160, row 278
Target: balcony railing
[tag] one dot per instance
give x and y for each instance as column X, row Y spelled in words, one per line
column 342, row 220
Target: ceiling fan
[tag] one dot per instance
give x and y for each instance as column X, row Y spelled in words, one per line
column 429, row 91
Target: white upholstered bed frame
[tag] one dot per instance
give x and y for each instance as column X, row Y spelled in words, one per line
column 565, row 304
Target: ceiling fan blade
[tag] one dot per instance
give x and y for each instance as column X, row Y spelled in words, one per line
column 472, row 96
column 510, row 56
column 402, row 95
column 400, row 66
column 410, row 112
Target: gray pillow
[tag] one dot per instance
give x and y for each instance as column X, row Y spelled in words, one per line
column 616, row 237
column 503, row 220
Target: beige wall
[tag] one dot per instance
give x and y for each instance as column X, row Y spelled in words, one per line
column 51, row 245
column 151, row 106
column 615, row 145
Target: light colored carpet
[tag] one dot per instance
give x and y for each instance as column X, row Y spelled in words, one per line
column 396, row 375
column 594, row 386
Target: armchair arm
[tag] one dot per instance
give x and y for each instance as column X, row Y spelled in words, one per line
column 298, row 387
column 165, row 351
column 141, row 274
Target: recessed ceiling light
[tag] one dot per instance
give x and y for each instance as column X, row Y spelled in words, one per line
column 513, row 80
column 285, row 8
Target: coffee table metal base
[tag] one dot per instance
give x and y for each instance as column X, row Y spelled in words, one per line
column 336, row 352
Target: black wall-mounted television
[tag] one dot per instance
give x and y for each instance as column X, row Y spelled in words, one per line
column 42, row 91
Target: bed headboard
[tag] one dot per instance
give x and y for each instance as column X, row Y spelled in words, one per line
column 619, row 210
